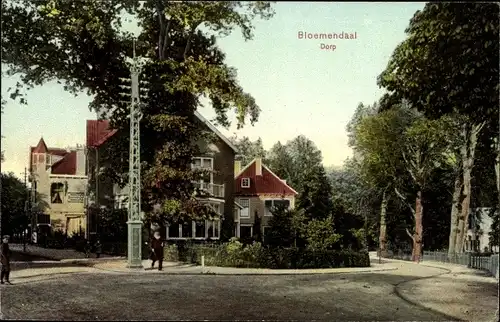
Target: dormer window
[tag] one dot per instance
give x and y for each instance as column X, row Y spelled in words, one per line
column 245, row 182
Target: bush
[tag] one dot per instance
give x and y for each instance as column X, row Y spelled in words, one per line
column 236, row 254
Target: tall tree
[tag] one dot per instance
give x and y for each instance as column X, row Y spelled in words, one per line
column 449, row 65
column 15, row 207
column 83, row 45
column 377, row 140
column 248, row 149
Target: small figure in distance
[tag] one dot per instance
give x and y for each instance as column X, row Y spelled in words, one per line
column 5, row 260
column 98, row 248
column 157, row 251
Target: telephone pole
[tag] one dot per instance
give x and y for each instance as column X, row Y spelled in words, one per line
column 26, row 202
column 134, row 253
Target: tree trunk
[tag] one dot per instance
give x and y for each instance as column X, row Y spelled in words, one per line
column 468, row 150
column 418, row 235
column 455, row 208
column 383, row 226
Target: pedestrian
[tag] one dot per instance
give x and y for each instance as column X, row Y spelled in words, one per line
column 5, row 260
column 98, row 249
column 157, row 251
column 87, row 249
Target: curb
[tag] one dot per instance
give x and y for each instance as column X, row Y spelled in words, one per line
column 207, row 271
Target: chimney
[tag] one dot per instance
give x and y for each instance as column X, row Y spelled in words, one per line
column 258, row 166
column 237, row 167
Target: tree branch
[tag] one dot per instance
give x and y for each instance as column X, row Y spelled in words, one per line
column 408, row 232
column 161, row 21
column 166, row 39
column 404, row 200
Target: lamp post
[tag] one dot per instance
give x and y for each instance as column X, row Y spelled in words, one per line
column 134, row 223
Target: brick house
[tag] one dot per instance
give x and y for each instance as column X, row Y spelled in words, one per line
column 257, row 190
column 58, row 177
column 218, row 187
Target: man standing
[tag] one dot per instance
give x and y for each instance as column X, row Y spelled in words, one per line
column 157, row 251
column 5, row 260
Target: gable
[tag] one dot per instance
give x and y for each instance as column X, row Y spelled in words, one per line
column 267, row 183
column 98, row 132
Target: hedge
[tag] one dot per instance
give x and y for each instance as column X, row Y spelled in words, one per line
column 258, row 256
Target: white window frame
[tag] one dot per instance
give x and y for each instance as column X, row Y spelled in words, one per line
column 246, row 225
column 247, row 208
column 267, row 213
column 215, row 228
column 247, row 180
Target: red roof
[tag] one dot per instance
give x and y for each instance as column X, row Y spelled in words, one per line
column 267, row 183
column 98, row 132
column 66, row 165
column 41, row 147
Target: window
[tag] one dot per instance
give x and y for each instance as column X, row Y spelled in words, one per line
column 245, row 182
column 187, row 230
column 245, row 212
column 200, row 229
column 205, row 163
column 246, row 231
column 41, row 158
column 173, row 231
column 56, row 191
column 213, row 229
column 270, row 204
column 264, row 229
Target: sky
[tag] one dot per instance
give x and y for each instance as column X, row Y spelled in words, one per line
column 301, row 86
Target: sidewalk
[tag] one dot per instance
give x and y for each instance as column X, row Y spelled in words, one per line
column 179, row 268
column 49, row 253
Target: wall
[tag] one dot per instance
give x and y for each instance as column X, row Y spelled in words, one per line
column 258, row 204
column 80, row 161
column 485, row 227
column 72, row 206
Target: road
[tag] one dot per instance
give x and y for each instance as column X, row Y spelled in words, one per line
column 389, row 295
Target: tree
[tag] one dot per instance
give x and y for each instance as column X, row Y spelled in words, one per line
column 426, row 142
column 448, row 65
column 248, row 149
column 15, row 211
column 299, row 162
column 82, row 44
column 321, row 234
column 377, row 141
column 286, row 227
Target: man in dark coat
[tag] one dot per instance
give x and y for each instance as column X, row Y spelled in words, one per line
column 157, row 251
column 5, row 260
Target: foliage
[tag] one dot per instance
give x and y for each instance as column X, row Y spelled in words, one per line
column 83, row 45
column 112, row 224
column 449, row 62
column 15, row 196
column 321, row 234
column 286, row 228
column 299, row 162
column 249, row 150
column 234, row 254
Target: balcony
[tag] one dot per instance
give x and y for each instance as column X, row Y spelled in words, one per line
column 214, row 190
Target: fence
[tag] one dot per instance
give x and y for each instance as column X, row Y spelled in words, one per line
column 485, row 262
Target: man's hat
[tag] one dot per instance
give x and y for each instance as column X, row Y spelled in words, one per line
column 6, row 236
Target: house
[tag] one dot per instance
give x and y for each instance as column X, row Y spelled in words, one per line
column 58, row 177
column 217, row 188
column 478, row 234
column 257, row 190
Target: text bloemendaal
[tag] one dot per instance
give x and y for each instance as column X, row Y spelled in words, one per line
column 324, row 35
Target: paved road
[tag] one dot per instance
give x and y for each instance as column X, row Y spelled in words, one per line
column 362, row 296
